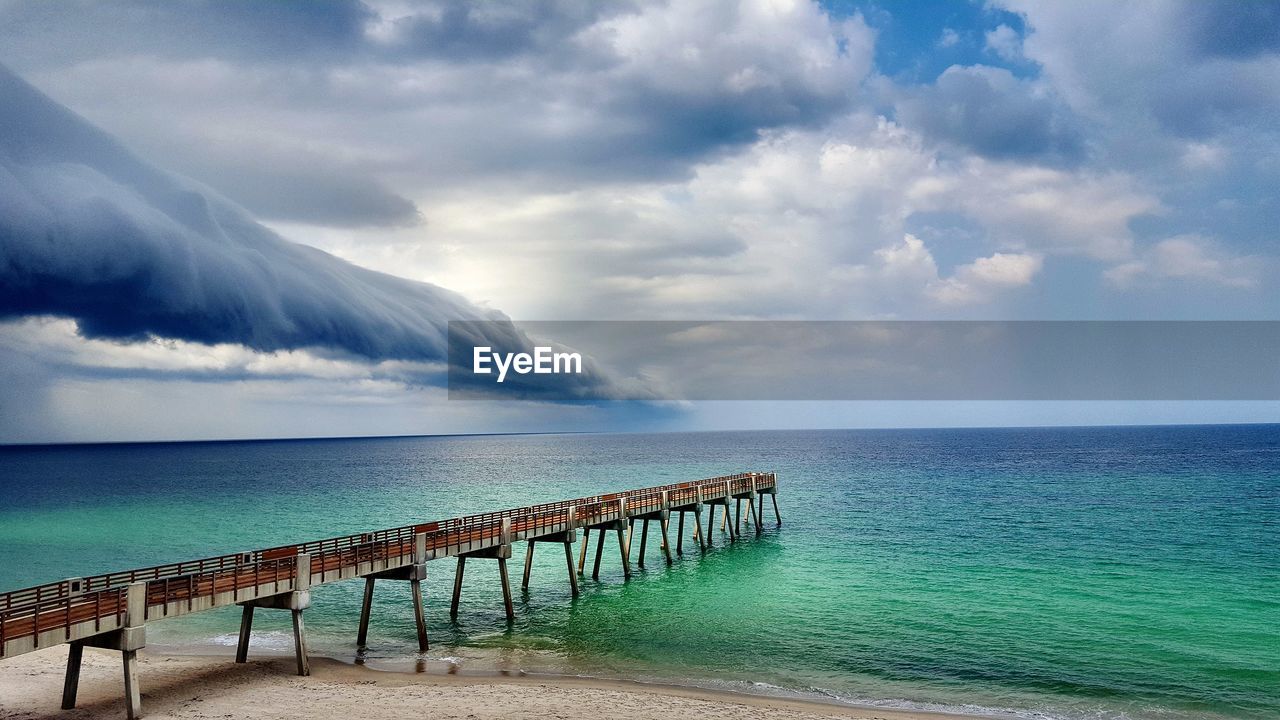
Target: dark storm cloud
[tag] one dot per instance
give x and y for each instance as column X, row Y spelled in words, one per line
column 989, row 111
column 464, row 30
column 296, row 186
column 69, row 31
column 290, row 30
column 1234, row 29
column 449, row 92
column 89, row 232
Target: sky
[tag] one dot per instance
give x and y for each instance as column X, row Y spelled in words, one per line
column 253, row 219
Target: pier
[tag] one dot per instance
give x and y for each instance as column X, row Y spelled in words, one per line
column 111, row 610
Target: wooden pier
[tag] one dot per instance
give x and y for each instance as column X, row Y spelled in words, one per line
column 111, row 610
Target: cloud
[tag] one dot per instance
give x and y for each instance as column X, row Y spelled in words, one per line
column 58, row 343
column 287, row 180
column 1187, row 257
column 974, row 281
column 1239, row 30
column 1005, row 42
column 1050, row 210
column 803, row 224
column 303, row 31
column 1188, row 68
column 434, row 97
column 89, row 232
column 470, row 32
column 988, row 111
column 910, row 263
column 56, row 386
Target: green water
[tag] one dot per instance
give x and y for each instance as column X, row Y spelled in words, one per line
column 1110, row 573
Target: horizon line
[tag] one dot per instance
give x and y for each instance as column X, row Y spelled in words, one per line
column 403, row 436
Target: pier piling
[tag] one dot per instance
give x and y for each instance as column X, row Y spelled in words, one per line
column 644, row 540
column 666, row 540
column 573, row 576
column 500, row 552
column 300, row 643
column 582, row 556
column 246, row 627
column 566, row 538
column 595, row 572
column 128, row 640
column 419, row 614
column 506, row 589
column 751, row 519
column 528, row 565
column 414, row 573
column 457, row 587
column 362, row 636
column 295, row 601
column 71, row 684
column 624, row 548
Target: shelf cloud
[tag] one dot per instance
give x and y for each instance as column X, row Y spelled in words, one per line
column 90, row 232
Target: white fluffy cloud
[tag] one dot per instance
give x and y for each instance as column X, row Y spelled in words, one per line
column 971, row 282
column 804, row 223
column 1187, row 257
column 1190, row 68
column 1004, row 41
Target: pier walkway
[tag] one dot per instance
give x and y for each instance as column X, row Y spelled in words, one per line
column 111, row 610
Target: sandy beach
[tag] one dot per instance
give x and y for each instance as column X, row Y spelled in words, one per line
column 176, row 686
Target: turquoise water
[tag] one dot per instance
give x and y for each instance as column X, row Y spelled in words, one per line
column 1077, row 573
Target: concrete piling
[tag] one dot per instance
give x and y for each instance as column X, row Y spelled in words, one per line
column 595, row 572
column 419, row 614
column 573, row 576
column 128, row 640
column 414, row 573
column 457, row 586
column 246, row 627
column 528, row 565
column 501, row 553
column 506, row 589
column 582, row 557
column 132, row 693
column 300, row 642
column 295, row 601
column 71, row 683
column 624, row 548
column 644, row 540
column 362, row 636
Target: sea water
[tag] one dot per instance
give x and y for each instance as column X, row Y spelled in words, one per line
column 1074, row 573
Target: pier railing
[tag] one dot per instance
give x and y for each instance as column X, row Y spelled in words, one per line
column 77, row 608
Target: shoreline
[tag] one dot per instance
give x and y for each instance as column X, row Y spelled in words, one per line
column 208, row 685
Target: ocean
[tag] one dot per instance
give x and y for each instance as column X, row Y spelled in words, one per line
column 1052, row 573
